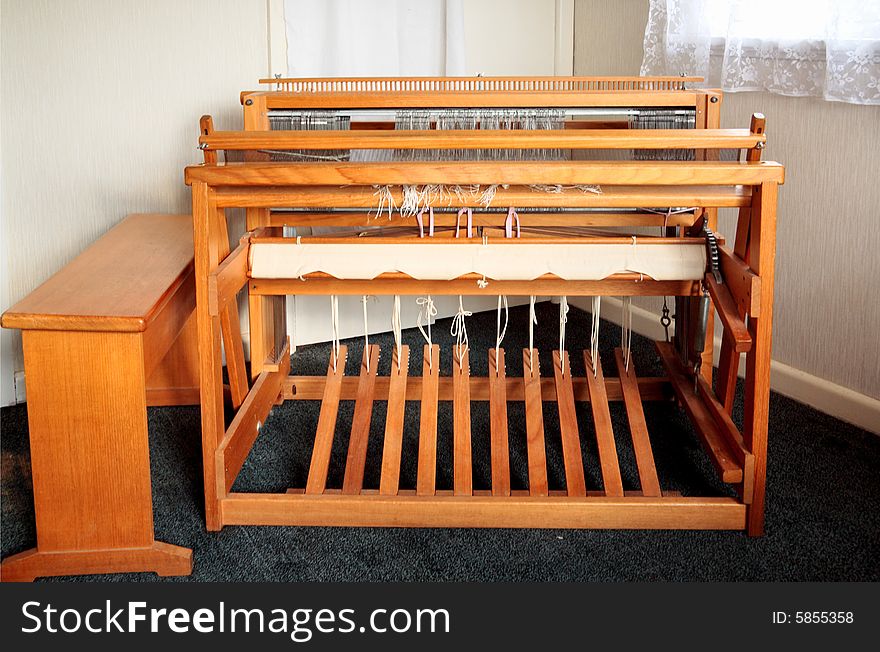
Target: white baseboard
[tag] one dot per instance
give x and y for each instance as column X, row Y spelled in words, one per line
column 825, row 396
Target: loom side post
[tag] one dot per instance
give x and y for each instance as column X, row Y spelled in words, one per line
column 757, row 395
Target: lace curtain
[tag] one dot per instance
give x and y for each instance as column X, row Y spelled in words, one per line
column 823, row 48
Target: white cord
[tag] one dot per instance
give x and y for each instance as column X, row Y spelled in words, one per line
column 594, row 334
column 533, row 319
column 459, row 330
column 293, row 328
column 427, row 312
column 334, row 326
column 501, row 332
column 626, row 330
column 512, row 217
column 396, row 328
column 563, row 320
column 366, row 335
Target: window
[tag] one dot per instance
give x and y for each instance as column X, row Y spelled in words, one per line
column 825, row 48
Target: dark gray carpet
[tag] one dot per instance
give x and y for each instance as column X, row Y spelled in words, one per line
column 823, row 504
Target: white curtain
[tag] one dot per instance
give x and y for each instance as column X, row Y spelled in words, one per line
column 369, row 38
column 823, row 48
column 357, row 38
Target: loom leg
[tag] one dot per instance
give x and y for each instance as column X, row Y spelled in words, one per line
column 757, row 387
column 206, row 239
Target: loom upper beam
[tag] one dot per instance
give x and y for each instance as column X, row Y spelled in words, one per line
column 645, row 173
column 485, row 139
column 364, row 197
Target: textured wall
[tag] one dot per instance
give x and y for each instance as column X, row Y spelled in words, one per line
column 509, row 37
column 101, row 101
column 827, row 315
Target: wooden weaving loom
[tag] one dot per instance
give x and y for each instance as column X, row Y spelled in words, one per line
column 308, row 157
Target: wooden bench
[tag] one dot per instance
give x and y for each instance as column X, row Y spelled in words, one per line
column 108, row 335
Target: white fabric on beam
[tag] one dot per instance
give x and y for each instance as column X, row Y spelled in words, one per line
column 443, row 262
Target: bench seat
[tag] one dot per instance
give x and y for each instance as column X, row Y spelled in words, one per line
column 109, row 334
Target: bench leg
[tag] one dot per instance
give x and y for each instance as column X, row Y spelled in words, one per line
column 162, row 558
column 176, row 380
column 90, row 458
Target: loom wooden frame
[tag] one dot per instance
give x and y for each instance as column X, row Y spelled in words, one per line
column 257, row 186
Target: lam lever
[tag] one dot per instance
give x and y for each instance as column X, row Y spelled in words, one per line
column 700, row 335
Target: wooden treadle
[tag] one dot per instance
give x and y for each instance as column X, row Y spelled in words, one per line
column 390, row 479
column 395, row 389
column 604, row 433
column 568, row 427
column 463, row 475
column 360, row 424
column 537, row 452
column 427, row 471
column 326, row 425
column 498, row 424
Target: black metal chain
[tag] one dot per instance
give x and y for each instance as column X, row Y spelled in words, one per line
column 665, row 321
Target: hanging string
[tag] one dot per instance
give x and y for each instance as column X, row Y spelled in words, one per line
column 293, row 339
column 594, row 334
column 292, row 311
column 334, row 326
column 626, row 325
column 501, row 332
column 470, row 221
column 396, row 328
column 512, row 217
column 459, row 330
column 563, row 320
column 420, row 222
column 427, row 312
column 366, row 334
column 533, row 319
column 482, row 283
column 626, row 330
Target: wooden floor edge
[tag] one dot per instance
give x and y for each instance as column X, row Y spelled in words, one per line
column 673, row 513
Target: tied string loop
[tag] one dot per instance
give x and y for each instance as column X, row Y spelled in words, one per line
column 334, row 327
column 470, row 221
column 364, row 300
column 512, row 217
column 459, row 330
column 626, row 330
column 427, row 312
column 594, row 334
column 397, row 329
column 421, row 223
column 533, row 320
column 500, row 332
column 563, row 320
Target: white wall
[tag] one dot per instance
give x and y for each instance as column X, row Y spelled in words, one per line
column 101, row 101
column 518, row 37
column 827, row 309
